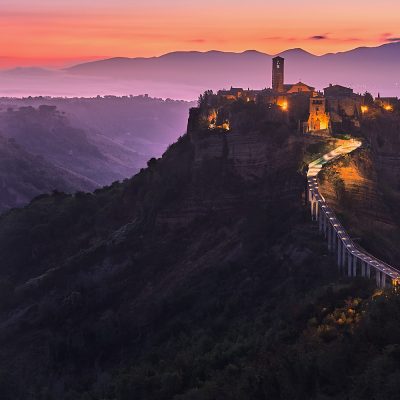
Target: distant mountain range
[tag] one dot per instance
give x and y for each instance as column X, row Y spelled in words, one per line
column 186, row 74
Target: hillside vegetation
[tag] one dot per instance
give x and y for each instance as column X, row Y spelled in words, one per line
column 24, row 176
column 199, row 278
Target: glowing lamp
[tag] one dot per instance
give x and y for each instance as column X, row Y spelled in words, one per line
column 364, row 109
column 226, row 126
column 388, row 107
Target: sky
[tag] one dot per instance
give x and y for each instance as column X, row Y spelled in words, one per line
column 64, row 32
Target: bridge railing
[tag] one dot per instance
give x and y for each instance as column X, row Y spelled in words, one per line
column 349, row 254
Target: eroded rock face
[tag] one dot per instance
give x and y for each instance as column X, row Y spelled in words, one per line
column 252, row 149
column 265, row 163
column 352, row 184
column 384, row 136
column 363, row 188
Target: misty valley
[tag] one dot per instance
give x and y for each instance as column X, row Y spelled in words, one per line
column 80, row 144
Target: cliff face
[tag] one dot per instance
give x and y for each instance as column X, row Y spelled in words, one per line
column 232, row 169
column 364, row 188
column 383, row 134
column 215, row 199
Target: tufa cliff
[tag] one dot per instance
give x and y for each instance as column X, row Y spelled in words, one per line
column 364, row 188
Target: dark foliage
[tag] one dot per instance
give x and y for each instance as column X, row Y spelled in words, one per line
column 187, row 282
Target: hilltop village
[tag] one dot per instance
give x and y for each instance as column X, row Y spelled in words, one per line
column 335, row 110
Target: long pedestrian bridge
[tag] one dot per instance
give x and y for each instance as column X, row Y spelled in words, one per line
column 351, row 258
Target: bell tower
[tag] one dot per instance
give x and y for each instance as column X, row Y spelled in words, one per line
column 278, row 73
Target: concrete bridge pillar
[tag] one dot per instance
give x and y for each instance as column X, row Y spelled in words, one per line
column 307, row 194
column 325, row 225
column 368, row 271
column 329, row 236
column 378, row 277
column 344, row 252
column 355, row 259
column 349, row 264
column 334, row 239
column 320, row 221
column 312, row 209
column 383, row 280
column 363, row 269
column 339, row 253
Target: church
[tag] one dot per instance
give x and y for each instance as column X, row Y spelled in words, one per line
column 278, row 80
column 319, row 119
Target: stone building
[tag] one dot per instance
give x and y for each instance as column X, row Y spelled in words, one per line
column 388, row 103
column 298, row 87
column 231, row 94
column 336, row 110
column 344, row 107
column 319, row 118
column 337, row 91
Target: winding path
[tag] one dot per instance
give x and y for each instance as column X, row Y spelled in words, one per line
column 351, row 258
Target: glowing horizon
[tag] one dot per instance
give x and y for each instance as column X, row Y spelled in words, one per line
column 49, row 33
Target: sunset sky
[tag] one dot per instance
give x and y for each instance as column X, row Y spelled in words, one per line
column 63, row 32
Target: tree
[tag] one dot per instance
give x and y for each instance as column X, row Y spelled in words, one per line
column 368, row 99
column 204, row 98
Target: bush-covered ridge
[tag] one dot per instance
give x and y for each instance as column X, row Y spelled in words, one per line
column 192, row 280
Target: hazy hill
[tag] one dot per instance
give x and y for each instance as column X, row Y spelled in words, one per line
column 24, row 176
column 87, row 143
column 140, row 124
column 201, row 277
column 98, row 140
column 45, row 131
column 215, row 69
column 183, row 75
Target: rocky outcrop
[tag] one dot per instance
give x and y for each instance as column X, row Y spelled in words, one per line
column 356, row 187
column 264, row 162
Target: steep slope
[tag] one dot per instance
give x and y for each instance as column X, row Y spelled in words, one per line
column 130, row 249
column 24, row 176
column 199, row 278
column 99, row 140
column 364, row 188
column 47, row 132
